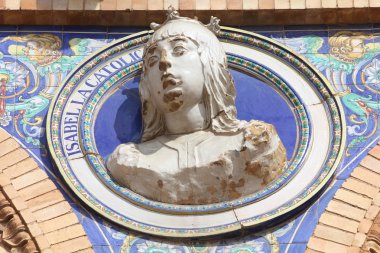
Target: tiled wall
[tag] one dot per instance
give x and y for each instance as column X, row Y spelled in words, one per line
column 34, row 60
column 232, row 12
column 183, row 4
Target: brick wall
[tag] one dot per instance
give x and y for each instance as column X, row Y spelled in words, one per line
column 232, row 12
column 345, row 224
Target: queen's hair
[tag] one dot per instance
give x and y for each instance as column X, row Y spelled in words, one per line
column 219, row 93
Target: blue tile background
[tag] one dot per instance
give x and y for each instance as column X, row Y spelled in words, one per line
column 361, row 104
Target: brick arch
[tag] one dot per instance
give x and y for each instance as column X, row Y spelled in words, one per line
column 345, row 225
column 372, row 244
column 34, row 216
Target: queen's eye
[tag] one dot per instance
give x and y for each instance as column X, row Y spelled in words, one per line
column 179, row 50
column 152, row 60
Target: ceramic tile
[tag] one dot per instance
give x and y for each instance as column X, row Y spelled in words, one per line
column 86, row 40
column 326, row 196
column 115, row 36
column 127, row 30
column 85, row 29
column 263, row 28
column 105, row 249
column 277, row 35
column 351, row 27
column 8, row 28
column 94, row 226
column 346, row 40
column 375, row 47
column 7, row 39
column 306, row 28
column 39, row 43
column 307, row 42
column 83, row 44
column 293, row 248
column 50, row 28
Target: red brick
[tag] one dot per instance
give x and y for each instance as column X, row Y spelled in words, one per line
column 44, row 5
column 34, row 229
column 235, row 4
column 72, row 245
column 359, row 240
column 155, row 5
column 92, row 5
column 218, row 4
column 53, row 211
column 4, row 135
column 42, row 242
column 329, row 3
column 374, row 3
column 353, row 198
column 59, row 222
column 372, row 212
column 12, row 158
column 4, row 180
column 107, row 5
column 345, row 3
column 353, row 250
column 10, row 191
column 29, row 178
column 8, row 146
column 366, row 176
column 250, row 4
column 60, row 4
column 364, row 226
column 12, row 5
column 297, row 4
column 76, row 5
column 360, row 187
column 27, row 216
column 312, row 4
column 326, row 246
column 45, row 200
column 376, row 150
column 85, row 251
column 186, row 4
column 19, row 204
column 65, row 234
column 174, row 3
column 340, row 222
column 37, row 189
column 371, row 163
column 282, row 4
column 202, row 4
column 29, row 4
column 333, row 234
column 123, row 4
column 346, row 210
column 361, row 3
column 139, row 4
column 20, row 168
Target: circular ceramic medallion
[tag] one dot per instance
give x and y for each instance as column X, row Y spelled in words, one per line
column 98, row 108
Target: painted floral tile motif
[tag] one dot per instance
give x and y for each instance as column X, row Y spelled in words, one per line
column 35, row 60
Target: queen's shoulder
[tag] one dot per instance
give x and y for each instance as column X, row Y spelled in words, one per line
column 126, row 148
column 256, row 132
column 123, row 154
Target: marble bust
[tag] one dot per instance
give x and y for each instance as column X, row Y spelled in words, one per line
column 194, row 150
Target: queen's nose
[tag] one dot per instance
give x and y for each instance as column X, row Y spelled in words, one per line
column 164, row 63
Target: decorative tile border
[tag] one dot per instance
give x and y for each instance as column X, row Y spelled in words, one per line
column 233, row 36
column 349, row 216
column 36, row 215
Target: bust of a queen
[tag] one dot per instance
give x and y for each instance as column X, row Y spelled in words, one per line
column 193, row 149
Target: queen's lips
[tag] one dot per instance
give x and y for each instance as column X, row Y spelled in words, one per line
column 169, row 80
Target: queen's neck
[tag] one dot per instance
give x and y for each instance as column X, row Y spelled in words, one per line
column 187, row 120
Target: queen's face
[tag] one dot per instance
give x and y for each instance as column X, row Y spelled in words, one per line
column 174, row 74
